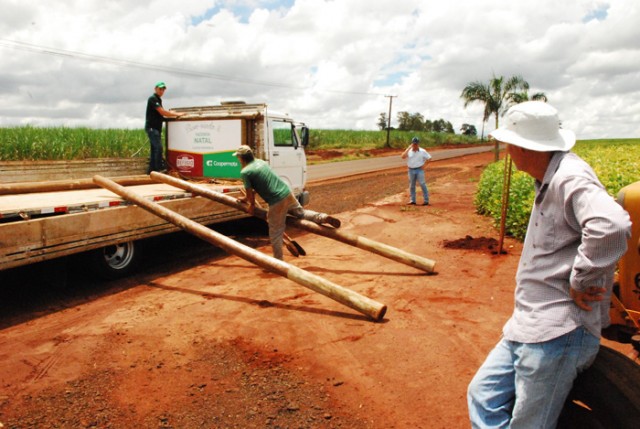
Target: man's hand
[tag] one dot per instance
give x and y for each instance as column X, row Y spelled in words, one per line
column 591, row 294
column 251, row 205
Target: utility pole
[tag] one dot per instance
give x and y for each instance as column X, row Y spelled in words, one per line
column 389, row 118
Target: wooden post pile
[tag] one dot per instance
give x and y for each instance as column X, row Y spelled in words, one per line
column 364, row 243
column 351, row 299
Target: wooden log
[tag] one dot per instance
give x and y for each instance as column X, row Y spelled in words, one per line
column 351, row 299
column 67, row 185
column 38, row 171
column 363, row 243
column 389, row 252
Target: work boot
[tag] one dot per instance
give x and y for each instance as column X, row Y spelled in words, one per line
column 334, row 222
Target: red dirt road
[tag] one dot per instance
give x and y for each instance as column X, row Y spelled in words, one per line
column 214, row 342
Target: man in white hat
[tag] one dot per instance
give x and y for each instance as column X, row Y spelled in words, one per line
column 576, row 235
column 259, row 178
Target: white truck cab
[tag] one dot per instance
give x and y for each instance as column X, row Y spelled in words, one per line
column 201, row 143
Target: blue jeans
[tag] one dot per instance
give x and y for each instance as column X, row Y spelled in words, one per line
column 155, row 158
column 417, row 174
column 525, row 385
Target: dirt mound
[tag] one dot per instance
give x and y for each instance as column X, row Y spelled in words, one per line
column 471, row 243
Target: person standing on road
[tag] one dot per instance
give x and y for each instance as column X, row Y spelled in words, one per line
column 417, row 158
column 258, row 178
column 153, row 126
column 576, row 235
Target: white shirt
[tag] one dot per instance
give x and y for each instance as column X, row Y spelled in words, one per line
column 416, row 159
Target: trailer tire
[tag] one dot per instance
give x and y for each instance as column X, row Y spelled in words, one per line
column 115, row 261
column 609, row 388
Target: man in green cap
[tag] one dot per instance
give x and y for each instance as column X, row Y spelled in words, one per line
column 258, row 178
column 153, row 126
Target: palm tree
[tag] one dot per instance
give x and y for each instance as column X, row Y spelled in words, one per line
column 521, row 97
column 477, row 91
column 496, row 96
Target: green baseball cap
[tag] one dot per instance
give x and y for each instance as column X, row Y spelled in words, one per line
column 160, row 85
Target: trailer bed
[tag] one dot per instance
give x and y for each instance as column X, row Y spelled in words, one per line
column 40, row 226
column 27, row 206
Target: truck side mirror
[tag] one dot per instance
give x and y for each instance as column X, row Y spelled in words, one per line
column 304, row 134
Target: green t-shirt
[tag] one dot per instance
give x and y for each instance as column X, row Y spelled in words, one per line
column 259, row 177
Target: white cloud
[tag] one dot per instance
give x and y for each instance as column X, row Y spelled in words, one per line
column 329, row 63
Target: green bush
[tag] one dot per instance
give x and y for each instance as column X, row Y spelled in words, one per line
column 488, row 199
column 616, row 162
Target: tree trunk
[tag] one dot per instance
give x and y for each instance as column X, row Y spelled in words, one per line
column 496, row 149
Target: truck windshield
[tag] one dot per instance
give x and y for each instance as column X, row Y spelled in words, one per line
column 283, row 134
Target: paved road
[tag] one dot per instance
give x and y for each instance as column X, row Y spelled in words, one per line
column 347, row 168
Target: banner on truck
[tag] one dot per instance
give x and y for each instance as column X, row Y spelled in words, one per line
column 205, row 148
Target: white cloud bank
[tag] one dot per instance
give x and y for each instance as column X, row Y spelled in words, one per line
column 328, row 63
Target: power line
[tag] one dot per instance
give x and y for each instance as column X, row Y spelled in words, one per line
column 28, row 47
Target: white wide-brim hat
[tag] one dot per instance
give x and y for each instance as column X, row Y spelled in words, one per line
column 534, row 125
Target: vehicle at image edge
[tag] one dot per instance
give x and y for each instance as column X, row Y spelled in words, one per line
column 607, row 395
column 39, row 226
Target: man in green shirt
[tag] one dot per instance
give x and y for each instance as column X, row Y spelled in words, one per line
column 258, row 178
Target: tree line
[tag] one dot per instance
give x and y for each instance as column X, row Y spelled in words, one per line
column 417, row 122
column 498, row 95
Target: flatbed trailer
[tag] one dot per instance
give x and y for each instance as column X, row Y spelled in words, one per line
column 36, row 227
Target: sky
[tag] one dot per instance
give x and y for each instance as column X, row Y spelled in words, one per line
column 333, row 64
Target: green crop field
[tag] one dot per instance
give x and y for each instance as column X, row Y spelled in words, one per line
column 616, row 162
column 62, row 143
column 352, row 139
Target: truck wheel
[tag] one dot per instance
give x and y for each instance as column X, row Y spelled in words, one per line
column 606, row 395
column 115, row 261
